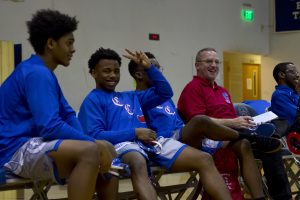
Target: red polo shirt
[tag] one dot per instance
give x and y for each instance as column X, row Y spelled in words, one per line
column 200, row 97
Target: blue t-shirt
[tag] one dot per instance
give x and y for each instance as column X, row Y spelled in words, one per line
column 113, row 116
column 164, row 119
column 33, row 105
column 284, row 103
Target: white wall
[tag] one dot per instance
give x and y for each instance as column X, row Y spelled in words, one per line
column 185, row 26
column 284, row 46
column 267, row 80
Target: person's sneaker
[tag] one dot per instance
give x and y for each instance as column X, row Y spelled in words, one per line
column 119, row 169
column 265, row 144
column 266, row 129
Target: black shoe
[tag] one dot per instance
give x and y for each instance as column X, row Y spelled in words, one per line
column 265, row 144
column 266, row 129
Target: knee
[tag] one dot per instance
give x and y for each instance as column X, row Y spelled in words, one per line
column 102, row 144
column 201, row 119
column 89, row 153
column 245, row 144
column 137, row 164
column 207, row 160
column 245, row 147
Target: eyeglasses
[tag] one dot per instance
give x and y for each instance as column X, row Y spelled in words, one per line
column 290, row 71
column 210, row 62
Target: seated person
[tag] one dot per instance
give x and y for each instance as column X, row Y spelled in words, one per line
column 164, row 119
column 202, row 96
column 40, row 136
column 118, row 118
column 285, row 99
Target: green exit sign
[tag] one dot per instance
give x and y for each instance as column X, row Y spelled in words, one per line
column 247, row 15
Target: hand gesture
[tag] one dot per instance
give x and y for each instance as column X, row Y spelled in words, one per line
column 139, row 58
column 145, row 134
column 243, row 122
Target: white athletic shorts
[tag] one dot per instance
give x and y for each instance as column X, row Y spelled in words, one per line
column 171, row 149
column 32, row 160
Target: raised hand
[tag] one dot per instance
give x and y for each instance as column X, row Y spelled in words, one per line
column 139, row 58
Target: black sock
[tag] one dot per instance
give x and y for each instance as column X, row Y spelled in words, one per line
column 247, row 136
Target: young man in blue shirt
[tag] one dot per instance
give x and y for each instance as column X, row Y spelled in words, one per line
column 284, row 103
column 285, row 98
column 118, row 118
column 40, row 136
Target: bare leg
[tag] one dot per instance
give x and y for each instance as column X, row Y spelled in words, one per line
column 107, row 186
column 79, row 161
column 212, row 181
column 139, row 176
column 202, row 126
column 249, row 167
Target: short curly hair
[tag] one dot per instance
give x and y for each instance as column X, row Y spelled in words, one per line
column 280, row 67
column 132, row 66
column 100, row 54
column 47, row 24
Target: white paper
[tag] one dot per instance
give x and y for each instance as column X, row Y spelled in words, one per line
column 265, row 117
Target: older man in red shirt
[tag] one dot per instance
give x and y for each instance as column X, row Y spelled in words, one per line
column 204, row 96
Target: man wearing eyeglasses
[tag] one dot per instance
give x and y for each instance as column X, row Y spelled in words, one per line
column 203, row 95
column 285, row 98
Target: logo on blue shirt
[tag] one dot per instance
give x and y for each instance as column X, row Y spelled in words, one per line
column 127, row 108
column 169, row 111
column 226, row 97
column 116, row 101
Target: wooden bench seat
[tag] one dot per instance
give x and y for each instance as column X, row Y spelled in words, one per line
column 174, row 190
